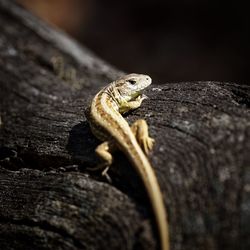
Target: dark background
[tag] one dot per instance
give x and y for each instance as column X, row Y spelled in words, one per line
column 171, row 41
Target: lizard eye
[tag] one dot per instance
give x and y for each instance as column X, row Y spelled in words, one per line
column 133, row 82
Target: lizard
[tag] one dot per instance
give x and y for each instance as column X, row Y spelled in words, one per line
column 107, row 124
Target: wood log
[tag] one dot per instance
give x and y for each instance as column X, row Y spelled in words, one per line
column 48, row 197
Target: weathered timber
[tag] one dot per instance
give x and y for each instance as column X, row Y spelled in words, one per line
column 49, row 199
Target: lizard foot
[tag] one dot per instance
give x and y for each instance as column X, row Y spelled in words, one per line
column 104, row 151
column 146, row 144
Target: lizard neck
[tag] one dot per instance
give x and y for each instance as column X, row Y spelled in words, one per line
column 113, row 95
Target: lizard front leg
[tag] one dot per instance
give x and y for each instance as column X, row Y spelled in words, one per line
column 140, row 130
column 126, row 106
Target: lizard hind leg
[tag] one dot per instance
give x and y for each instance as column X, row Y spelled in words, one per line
column 140, row 130
column 104, row 152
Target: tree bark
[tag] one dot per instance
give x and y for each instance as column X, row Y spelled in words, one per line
column 48, row 197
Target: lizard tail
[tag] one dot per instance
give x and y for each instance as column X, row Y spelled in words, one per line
column 148, row 176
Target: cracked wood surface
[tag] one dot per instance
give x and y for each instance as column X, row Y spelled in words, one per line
column 49, row 200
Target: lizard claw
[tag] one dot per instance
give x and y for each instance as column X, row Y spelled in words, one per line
column 141, row 97
column 106, row 175
column 144, row 97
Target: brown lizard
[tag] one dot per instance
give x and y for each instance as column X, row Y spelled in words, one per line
column 108, row 125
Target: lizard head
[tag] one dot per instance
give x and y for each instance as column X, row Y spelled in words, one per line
column 131, row 86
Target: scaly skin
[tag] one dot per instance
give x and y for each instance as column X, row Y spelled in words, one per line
column 108, row 125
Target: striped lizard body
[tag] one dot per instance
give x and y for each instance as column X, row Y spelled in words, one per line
column 108, row 125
